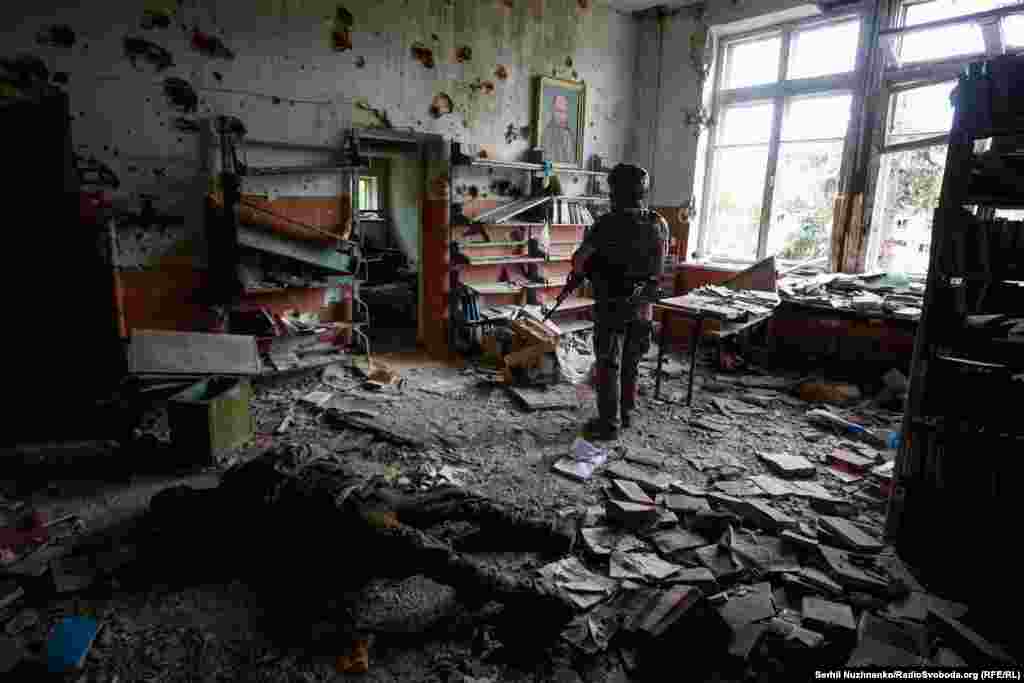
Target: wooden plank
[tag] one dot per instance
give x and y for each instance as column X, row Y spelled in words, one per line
column 161, row 352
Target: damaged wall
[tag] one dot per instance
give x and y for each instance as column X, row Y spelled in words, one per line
column 662, row 140
column 299, row 71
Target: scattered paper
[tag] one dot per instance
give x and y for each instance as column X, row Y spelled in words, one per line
column 640, row 566
column 583, row 587
column 584, row 458
column 317, row 398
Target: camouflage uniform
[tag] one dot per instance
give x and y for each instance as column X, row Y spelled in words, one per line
column 620, row 252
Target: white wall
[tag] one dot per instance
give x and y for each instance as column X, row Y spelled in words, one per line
column 283, row 51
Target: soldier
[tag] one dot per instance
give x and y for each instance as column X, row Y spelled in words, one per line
column 623, row 256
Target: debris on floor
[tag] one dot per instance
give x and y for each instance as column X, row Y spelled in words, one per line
column 584, row 457
column 741, row 526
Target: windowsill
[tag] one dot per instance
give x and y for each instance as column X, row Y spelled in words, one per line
column 737, row 266
column 711, row 265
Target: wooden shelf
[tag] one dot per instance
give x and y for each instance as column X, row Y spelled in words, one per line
column 524, row 166
column 494, row 288
column 274, row 290
column 505, row 288
column 475, row 245
column 268, row 241
column 264, row 171
column 503, row 260
column 552, row 282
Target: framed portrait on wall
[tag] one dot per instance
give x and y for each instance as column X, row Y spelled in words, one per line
column 560, row 123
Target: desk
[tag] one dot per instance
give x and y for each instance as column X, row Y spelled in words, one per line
column 681, row 305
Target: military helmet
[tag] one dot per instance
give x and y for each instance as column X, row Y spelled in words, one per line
column 629, row 183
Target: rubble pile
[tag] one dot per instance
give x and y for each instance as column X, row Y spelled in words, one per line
column 733, row 564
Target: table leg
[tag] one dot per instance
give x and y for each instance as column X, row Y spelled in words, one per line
column 694, row 343
column 662, row 340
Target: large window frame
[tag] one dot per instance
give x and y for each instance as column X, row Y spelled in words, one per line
column 780, row 93
column 894, row 77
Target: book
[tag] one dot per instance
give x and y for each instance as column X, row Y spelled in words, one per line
column 69, row 643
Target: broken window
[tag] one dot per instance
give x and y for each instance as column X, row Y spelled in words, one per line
column 783, row 106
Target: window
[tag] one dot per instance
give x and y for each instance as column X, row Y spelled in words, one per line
column 954, row 40
column 369, row 196
column 1013, row 30
column 920, row 114
column 782, row 108
column 909, row 180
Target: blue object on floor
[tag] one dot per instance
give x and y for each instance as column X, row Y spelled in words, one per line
column 69, row 643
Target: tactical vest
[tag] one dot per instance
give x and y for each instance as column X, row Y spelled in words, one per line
column 629, row 252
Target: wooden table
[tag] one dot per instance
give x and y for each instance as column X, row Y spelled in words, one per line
column 682, row 305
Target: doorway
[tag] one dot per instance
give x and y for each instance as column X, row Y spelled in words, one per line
column 391, row 230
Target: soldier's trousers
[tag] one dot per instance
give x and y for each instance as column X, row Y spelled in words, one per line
column 620, row 342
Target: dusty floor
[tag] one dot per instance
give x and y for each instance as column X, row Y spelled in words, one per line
column 479, row 437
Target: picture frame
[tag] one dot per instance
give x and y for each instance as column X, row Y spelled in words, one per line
column 560, row 120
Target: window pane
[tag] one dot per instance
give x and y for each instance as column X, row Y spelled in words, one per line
column 935, row 10
column 816, row 118
column 908, row 194
column 824, row 50
column 753, row 62
column 950, row 41
column 805, row 188
column 940, row 43
column 735, row 212
column 925, row 110
column 746, row 124
column 1013, row 30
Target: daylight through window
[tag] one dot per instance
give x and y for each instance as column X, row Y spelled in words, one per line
column 783, row 109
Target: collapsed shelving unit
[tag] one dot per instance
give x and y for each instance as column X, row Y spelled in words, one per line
column 515, row 255
column 959, row 466
column 284, row 236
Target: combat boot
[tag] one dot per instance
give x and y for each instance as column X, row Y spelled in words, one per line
column 597, row 429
